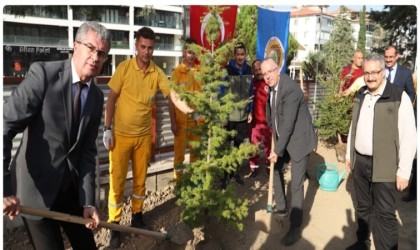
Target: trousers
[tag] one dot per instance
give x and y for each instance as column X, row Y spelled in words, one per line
column 374, row 199
column 138, row 150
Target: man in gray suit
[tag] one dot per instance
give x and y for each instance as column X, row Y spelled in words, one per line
column 294, row 136
column 58, row 108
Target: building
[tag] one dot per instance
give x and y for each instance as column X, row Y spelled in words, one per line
column 312, row 25
column 47, row 33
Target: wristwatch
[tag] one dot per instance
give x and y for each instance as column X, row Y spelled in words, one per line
column 107, row 128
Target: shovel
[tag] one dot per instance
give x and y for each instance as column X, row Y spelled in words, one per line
column 264, row 218
column 80, row 220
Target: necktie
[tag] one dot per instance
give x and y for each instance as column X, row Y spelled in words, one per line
column 77, row 104
column 273, row 110
column 389, row 74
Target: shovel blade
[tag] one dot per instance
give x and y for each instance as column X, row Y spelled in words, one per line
column 267, row 222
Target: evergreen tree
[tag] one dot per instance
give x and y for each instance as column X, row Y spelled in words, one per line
column 400, row 26
column 198, row 190
column 292, row 49
column 246, row 29
column 361, row 41
column 334, row 116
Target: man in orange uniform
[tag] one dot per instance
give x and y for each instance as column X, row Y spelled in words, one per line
column 183, row 76
column 131, row 97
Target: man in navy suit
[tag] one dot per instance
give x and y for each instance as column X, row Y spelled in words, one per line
column 294, row 136
column 397, row 74
column 54, row 167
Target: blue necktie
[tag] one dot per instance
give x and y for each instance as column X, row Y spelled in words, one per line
column 389, row 75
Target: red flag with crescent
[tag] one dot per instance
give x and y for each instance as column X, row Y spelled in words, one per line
column 199, row 14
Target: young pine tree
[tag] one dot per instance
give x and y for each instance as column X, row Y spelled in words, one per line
column 198, row 191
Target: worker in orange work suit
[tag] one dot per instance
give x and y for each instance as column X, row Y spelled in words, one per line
column 183, row 76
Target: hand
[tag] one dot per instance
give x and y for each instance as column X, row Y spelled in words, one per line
column 249, row 118
column 108, row 139
column 348, row 165
column 273, row 157
column 11, row 206
column 401, row 183
column 91, row 213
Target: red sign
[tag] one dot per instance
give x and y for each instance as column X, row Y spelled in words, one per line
column 199, row 16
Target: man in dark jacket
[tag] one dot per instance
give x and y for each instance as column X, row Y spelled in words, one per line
column 240, row 78
column 380, row 154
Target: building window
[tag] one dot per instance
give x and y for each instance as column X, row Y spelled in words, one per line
column 158, row 18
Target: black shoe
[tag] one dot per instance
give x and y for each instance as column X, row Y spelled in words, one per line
column 281, row 213
column 358, row 246
column 115, row 238
column 137, row 221
column 237, row 179
column 409, row 198
column 291, row 237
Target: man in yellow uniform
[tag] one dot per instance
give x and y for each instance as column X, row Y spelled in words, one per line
column 183, row 76
column 131, row 97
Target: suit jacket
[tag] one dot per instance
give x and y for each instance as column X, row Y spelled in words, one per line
column 404, row 79
column 41, row 107
column 294, row 122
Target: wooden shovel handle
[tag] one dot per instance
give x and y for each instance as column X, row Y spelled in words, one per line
column 80, row 220
column 270, row 184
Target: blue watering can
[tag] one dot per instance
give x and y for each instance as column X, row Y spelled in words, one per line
column 328, row 177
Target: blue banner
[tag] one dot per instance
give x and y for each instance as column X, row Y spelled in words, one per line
column 273, row 36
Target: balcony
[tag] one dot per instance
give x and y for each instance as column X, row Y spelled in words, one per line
column 116, row 19
column 35, row 41
column 119, row 45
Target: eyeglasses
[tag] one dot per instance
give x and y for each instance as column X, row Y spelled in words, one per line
column 373, row 73
column 102, row 55
column 270, row 72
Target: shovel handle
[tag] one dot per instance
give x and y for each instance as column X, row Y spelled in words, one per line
column 80, row 220
column 271, row 180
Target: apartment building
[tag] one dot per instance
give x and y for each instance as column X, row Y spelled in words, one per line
column 47, row 33
column 312, row 26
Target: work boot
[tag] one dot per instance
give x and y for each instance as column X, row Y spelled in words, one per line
column 115, row 239
column 137, row 221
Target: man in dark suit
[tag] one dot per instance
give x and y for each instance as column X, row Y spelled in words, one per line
column 294, row 136
column 54, row 167
column 398, row 74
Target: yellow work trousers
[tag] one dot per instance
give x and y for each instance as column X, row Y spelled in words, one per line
column 138, row 150
column 181, row 142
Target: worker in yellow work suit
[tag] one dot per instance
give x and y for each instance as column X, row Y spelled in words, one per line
column 183, row 76
column 128, row 122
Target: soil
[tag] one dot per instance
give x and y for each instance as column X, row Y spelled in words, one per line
column 329, row 219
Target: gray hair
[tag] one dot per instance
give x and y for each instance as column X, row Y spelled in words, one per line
column 101, row 32
column 376, row 58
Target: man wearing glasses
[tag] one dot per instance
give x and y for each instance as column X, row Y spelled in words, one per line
column 380, row 154
column 128, row 109
column 58, row 107
column 294, row 137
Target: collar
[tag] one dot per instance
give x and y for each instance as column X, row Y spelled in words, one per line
column 75, row 77
column 394, row 68
column 380, row 91
column 151, row 67
column 184, row 69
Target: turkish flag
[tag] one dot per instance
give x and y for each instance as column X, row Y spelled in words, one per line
column 199, row 15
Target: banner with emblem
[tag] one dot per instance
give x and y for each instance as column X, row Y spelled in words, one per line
column 273, row 35
column 199, row 15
